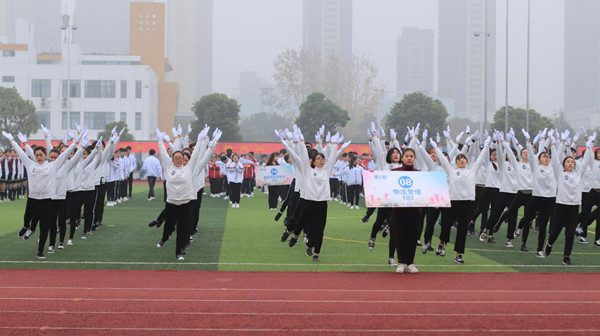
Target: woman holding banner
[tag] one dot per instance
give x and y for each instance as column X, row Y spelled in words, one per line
column 461, row 182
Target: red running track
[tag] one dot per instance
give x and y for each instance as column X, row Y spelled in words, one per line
column 117, row 302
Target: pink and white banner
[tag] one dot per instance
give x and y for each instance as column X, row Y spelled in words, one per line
column 404, row 189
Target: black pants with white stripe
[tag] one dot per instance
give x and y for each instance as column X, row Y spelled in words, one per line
column 100, row 196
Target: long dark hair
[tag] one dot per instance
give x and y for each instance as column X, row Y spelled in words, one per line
column 388, row 157
column 272, row 161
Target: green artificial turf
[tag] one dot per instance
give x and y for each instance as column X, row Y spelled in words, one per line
column 248, row 239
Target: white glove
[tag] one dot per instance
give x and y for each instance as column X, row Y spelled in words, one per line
column 487, row 141
column 158, row 134
column 335, row 137
column 201, row 136
column 276, row 133
column 300, row 135
column 317, row 137
column 593, row 137
column 99, row 142
column 515, row 141
column 486, row 134
column 79, row 129
column 584, row 132
column 551, row 132
column 189, row 128
column 458, row 137
column 407, row 136
column 340, row 139
column 526, row 134
column 433, row 143
column 416, row 129
column 468, row 130
column 575, row 138
column 328, row 137
column 411, row 132
column 345, row 145
column 468, row 140
column 85, row 141
column 476, row 135
column 425, row 134
column 174, row 132
column 393, row 134
column 70, row 134
column 166, row 137
column 590, row 144
column 212, row 144
column 114, row 130
column 564, row 135
column 544, row 132
column 217, row 137
column 322, row 130
column 45, row 130
column 295, row 137
column 438, row 138
column 382, row 132
column 446, row 134
column 552, row 140
column 123, row 130
column 509, row 136
column 65, row 140
column 179, row 129
column 22, row 137
column 288, row 134
column 8, row 136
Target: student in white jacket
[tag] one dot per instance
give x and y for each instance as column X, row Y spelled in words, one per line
column 234, row 170
column 461, row 182
column 352, row 176
column 568, row 199
column 41, row 183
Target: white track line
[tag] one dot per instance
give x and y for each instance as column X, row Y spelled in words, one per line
column 63, row 312
column 360, row 331
column 77, row 299
column 303, row 290
column 322, row 264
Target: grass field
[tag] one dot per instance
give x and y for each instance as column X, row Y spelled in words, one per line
column 248, row 239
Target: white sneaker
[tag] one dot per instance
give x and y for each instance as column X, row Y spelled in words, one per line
column 540, row 254
column 237, row 205
column 226, row 197
column 119, row 200
column 483, row 236
column 180, row 257
column 232, row 205
column 582, row 240
column 392, row 262
column 401, row 268
column 70, row 242
column 412, row 269
column 508, row 244
column 50, row 249
column 356, row 207
column 125, row 199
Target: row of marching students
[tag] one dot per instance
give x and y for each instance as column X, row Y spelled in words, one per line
column 13, row 178
column 60, row 181
column 312, row 192
column 184, row 172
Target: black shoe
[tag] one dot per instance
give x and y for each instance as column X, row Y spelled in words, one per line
column 22, row 231
column 316, row 258
column 472, row 233
column 40, row 255
column 309, row 251
column 153, row 223
column 158, row 224
column 567, row 260
column 285, row 235
column 548, row 249
column 278, row 216
column 365, row 219
column 458, row 259
column 293, row 241
column 524, row 248
column 491, row 240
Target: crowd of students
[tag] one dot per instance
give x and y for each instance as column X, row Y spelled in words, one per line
column 486, row 173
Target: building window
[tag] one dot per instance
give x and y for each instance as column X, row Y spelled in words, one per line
column 138, row 121
column 138, row 89
column 123, row 89
column 98, row 120
column 74, row 92
column 40, row 88
column 8, row 79
column 69, row 119
column 8, row 53
column 123, row 117
column 43, row 118
column 100, row 89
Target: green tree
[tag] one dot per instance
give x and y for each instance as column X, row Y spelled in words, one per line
column 126, row 136
column 517, row 119
column 561, row 123
column 260, row 126
column 16, row 114
column 417, row 108
column 218, row 111
column 317, row 110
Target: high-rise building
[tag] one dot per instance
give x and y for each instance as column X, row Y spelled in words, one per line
column 327, row 27
column 415, row 61
column 45, row 16
column 462, row 49
column 189, row 49
column 582, row 65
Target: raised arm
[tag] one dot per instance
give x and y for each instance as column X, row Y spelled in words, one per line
column 27, row 162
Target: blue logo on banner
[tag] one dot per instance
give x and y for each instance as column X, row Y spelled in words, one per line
column 273, row 171
column 405, row 182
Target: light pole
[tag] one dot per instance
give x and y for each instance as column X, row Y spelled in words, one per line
column 527, row 95
column 486, row 34
column 68, row 28
column 506, row 86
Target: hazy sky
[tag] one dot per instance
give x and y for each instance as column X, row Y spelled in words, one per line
column 248, row 36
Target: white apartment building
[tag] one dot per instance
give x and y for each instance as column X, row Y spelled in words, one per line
column 91, row 90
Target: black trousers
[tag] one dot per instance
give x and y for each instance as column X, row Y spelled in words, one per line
column 353, row 194
column 432, row 216
column 61, row 221
column 479, row 189
column 405, row 225
column 30, row 216
column 334, row 187
column 593, row 199
column 543, row 208
column 382, row 215
column 45, row 212
column 273, row 196
column 226, row 186
column 235, row 195
column 111, row 191
column 195, row 206
column 488, row 197
column 314, row 214
column 459, row 211
column 130, row 183
column 165, row 191
column 520, row 200
column 247, row 186
column 293, row 224
column 99, row 198
column 177, row 217
column 85, row 199
column 564, row 216
column 343, row 192
column 151, row 182
column 216, row 185
column 503, row 200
